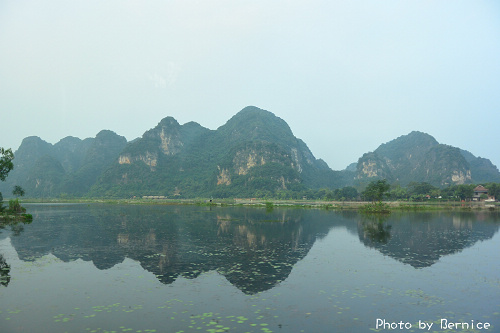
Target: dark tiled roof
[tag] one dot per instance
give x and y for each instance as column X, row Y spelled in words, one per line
column 480, row 188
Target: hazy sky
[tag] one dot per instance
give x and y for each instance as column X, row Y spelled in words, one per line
column 345, row 75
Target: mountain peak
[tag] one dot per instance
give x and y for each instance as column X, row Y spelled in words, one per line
column 253, row 111
column 414, row 137
column 32, row 146
column 421, row 135
column 33, row 140
column 106, row 133
column 412, row 144
column 168, row 122
column 68, row 141
column 255, row 124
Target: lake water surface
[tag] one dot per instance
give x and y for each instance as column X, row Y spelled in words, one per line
column 104, row 268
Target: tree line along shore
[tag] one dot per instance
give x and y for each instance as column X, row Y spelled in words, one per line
column 276, row 203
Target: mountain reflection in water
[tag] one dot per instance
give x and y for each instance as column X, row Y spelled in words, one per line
column 420, row 239
column 253, row 248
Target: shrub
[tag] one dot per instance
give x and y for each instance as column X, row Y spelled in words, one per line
column 15, row 206
column 378, row 207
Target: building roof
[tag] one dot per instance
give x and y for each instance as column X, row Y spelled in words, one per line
column 480, row 188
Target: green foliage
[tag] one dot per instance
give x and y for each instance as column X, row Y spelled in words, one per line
column 399, row 193
column 18, row 191
column 6, row 157
column 464, row 191
column 493, row 189
column 419, row 191
column 376, row 208
column 420, row 188
column 376, row 190
column 349, row 193
column 28, row 218
column 15, row 207
column 6, row 166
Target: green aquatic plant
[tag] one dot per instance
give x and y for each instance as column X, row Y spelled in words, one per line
column 376, row 208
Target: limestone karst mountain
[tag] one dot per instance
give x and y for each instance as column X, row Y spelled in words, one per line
column 418, row 157
column 254, row 154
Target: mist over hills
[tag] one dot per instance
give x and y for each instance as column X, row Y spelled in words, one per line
column 254, row 154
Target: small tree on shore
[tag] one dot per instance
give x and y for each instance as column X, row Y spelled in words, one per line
column 6, row 157
column 18, row 191
column 376, row 190
column 14, row 205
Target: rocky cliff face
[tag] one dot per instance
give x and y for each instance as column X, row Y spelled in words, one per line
column 254, row 150
column 167, row 139
column 371, row 165
column 482, row 170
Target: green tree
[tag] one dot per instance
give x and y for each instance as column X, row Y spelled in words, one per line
column 349, row 192
column 464, row 191
column 6, row 157
column 14, row 205
column 18, row 191
column 399, row 193
column 420, row 188
column 376, row 190
column 493, row 190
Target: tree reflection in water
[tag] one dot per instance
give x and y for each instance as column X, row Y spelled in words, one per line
column 376, row 229
column 4, row 272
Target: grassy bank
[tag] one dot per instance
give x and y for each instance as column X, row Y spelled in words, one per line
column 270, row 203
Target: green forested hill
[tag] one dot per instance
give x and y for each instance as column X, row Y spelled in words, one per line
column 254, row 154
column 68, row 168
column 418, row 157
column 100, row 154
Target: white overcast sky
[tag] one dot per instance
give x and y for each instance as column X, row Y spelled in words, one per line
column 345, row 75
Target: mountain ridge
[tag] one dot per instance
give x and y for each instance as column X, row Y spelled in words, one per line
column 254, row 154
column 419, row 157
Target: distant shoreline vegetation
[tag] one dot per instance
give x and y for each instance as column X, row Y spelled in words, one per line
column 270, row 204
column 378, row 197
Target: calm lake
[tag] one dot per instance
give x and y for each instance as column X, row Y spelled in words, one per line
column 113, row 268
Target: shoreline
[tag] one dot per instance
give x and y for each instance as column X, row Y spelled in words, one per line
column 274, row 203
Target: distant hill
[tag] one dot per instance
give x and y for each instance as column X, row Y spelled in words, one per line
column 419, row 157
column 254, row 154
column 69, row 167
